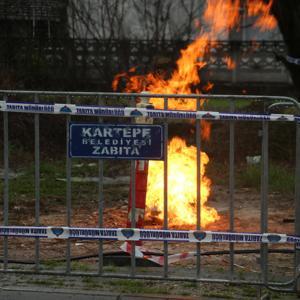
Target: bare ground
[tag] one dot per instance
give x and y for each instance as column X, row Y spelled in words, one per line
column 246, row 219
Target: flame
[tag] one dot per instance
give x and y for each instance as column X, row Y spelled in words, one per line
column 182, row 183
column 265, row 20
column 220, row 16
column 231, row 64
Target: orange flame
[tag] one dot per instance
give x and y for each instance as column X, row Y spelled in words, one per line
column 231, row 64
column 219, row 17
column 265, row 20
column 182, row 183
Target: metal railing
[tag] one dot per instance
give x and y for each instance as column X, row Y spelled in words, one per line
column 84, row 61
column 39, row 103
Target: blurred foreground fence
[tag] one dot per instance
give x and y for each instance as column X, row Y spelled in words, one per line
column 57, row 239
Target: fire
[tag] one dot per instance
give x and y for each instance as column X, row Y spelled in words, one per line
column 231, row 64
column 220, row 16
column 182, row 184
column 262, row 10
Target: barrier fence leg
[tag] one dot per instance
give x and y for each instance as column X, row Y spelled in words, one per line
column 68, row 191
column 37, row 182
column 198, row 222
column 297, row 205
column 141, row 178
column 264, row 200
column 132, row 213
column 100, row 203
column 6, row 186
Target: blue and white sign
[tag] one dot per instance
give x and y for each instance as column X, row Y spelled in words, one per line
column 141, row 142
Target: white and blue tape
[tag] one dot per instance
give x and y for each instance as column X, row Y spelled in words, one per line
column 85, row 110
column 130, row 234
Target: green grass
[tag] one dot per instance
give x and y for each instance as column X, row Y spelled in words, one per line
column 110, row 268
column 249, row 291
column 281, row 178
column 137, row 286
column 92, row 282
column 224, row 105
column 80, row 266
column 127, row 286
column 22, row 188
column 49, row 281
column 52, row 264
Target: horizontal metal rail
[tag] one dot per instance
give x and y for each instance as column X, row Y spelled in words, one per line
column 100, row 111
column 150, row 95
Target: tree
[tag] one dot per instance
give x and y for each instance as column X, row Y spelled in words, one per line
column 287, row 13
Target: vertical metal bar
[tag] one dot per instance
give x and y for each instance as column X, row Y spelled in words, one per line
column 6, row 184
column 68, row 190
column 133, row 207
column 231, row 185
column 132, row 215
column 198, row 224
column 100, row 205
column 166, row 190
column 37, row 181
column 297, row 203
column 264, row 198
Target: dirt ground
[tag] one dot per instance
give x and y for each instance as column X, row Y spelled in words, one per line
column 247, row 219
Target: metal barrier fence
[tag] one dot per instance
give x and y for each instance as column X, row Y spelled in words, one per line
column 71, row 105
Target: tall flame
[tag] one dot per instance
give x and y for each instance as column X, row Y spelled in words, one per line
column 220, row 16
column 182, row 183
column 262, row 12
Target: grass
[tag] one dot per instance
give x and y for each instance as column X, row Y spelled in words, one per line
column 281, row 177
column 127, row 286
column 79, row 266
column 138, row 286
column 224, row 105
column 92, row 282
column 22, row 194
column 49, row 281
column 52, row 264
column 110, row 268
column 22, row 188
column 249, row 291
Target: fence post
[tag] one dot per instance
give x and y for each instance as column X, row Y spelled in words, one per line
column 100, row 202
column 37, row 181
column 264, row 199
column 166, row 187
column 297, row 203
column 68, row 190
column 6, row 184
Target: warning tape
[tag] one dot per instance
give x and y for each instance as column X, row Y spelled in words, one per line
column 130, row 234
column 158, row 259
column 84, row 110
